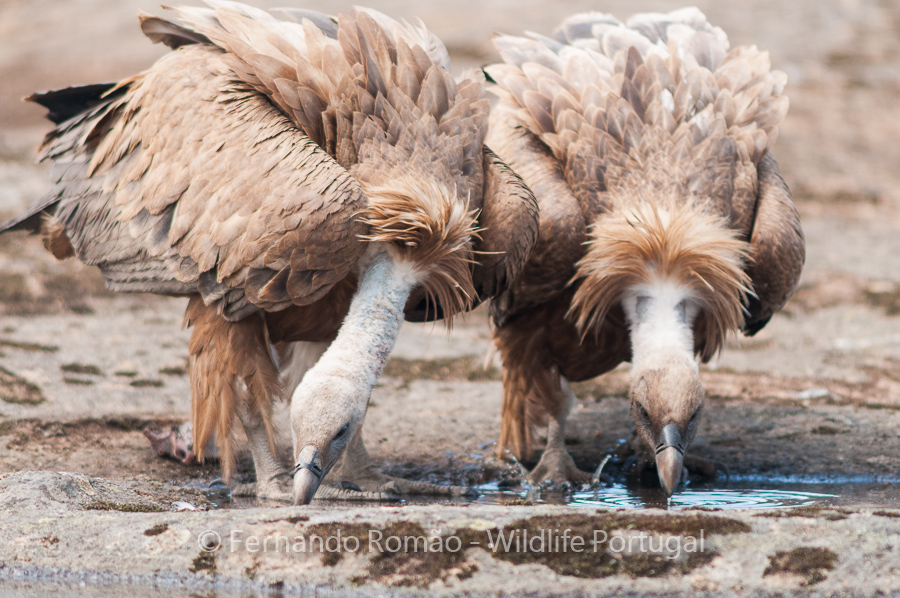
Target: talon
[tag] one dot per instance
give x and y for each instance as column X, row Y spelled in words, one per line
column 357, row 477
column 340, row 493
column 464, row 492
column 219, row 488
column 391, row 487
column 557, row 471
column 243, row 490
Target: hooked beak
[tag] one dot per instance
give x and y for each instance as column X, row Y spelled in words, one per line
column 669, row 457
column 308, row 474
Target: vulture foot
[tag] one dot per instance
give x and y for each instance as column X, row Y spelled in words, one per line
column 274, row 490
column 352, row 492
column 368, row 482
column 356, row 477
column 557, row 471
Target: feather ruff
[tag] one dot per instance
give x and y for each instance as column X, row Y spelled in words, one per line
column 428, row 226
column 681, row 243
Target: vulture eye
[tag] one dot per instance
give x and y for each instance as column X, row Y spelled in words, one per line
column 644, row 413
column 696, row 416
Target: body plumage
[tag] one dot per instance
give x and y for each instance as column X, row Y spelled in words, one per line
column 665, row 223
column 303, row 179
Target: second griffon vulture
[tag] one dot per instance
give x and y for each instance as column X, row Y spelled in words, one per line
column 306, row 181
column 665, row 223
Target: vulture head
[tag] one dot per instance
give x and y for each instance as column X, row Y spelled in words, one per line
column 677, row 271
column 326, row 415
column 666, row 405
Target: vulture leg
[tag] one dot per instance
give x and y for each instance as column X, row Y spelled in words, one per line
column 556, row 467
column 270, row 481
column 232, row 373
column 535, row 392
column 294, row 360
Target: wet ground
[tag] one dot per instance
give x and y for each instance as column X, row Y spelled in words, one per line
column 807, row 412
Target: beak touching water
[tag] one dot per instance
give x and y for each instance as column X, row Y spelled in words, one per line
column 308, row 474
column 669, row 457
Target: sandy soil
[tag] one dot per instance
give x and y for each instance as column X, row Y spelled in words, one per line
column 816, row 393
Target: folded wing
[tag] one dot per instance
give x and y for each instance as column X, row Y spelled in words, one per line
column 185, row 179
column 778, row 248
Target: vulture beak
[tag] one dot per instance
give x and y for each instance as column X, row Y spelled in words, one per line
column 669, row 457
column 308, row 474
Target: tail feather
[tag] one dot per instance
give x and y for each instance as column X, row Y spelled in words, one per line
column 72, row 108
column 32, row 218
column 67, row 102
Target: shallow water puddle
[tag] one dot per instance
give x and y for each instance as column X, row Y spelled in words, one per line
column 620, row 497
column 714, row 499
column 750, row 493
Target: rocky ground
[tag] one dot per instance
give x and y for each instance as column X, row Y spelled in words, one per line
column 816, row 395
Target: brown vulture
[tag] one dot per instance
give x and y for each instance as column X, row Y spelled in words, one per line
column 305, row 181
column 664, row 221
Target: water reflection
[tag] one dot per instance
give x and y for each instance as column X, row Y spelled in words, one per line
column 715, row 499
column 621, row 496
column 741, row 492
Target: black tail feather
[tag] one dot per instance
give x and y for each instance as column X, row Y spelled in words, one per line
column 30, row 220
column 63, row 104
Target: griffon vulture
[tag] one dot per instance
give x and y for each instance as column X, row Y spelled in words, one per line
column 664, row 221
column 300, row 178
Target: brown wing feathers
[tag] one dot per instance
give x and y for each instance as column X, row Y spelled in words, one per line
column 562, row 229
column 244, row 203
column 379, row 98
column 658, row 107
column 602, row 104
column 513, row 214
column 776, row 237
column 161, row 208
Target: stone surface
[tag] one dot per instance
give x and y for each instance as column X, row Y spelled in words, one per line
column 384, row 550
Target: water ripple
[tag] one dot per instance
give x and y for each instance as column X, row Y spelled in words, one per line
column 619, row 496
column 622, row 498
